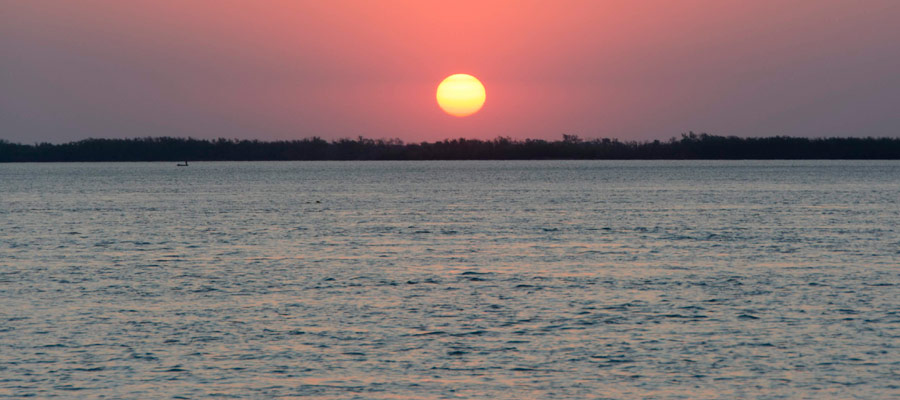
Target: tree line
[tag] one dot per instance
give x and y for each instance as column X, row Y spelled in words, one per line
column 689, row 146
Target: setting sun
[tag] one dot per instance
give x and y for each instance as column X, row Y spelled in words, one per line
column 460, row 95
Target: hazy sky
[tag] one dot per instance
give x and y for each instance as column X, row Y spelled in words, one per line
column 292, row 69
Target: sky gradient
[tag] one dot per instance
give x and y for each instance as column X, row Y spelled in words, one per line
column 293, row 69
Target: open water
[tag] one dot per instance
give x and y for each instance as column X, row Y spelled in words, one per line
column 451, row 280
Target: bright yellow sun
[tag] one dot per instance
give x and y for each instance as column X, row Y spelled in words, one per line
column 460, row 95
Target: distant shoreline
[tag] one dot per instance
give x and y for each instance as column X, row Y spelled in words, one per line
column 689, row 147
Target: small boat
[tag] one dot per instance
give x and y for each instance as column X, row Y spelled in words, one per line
column 183, row 165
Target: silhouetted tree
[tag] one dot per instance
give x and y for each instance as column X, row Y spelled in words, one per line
column 689, row 146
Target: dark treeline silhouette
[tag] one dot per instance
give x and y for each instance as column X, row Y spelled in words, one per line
column 689, row 146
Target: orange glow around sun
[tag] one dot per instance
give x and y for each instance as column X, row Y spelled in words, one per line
column 460, row 95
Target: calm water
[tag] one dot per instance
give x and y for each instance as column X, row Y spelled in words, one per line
column 452, row 280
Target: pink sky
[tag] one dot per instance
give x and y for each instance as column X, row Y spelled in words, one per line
column 293, row 69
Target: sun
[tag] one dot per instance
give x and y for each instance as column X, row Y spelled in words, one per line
column 460, row 95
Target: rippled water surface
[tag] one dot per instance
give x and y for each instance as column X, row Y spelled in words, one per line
column 505, row 280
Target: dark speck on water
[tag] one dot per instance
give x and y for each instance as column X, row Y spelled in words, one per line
column 451, row 280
